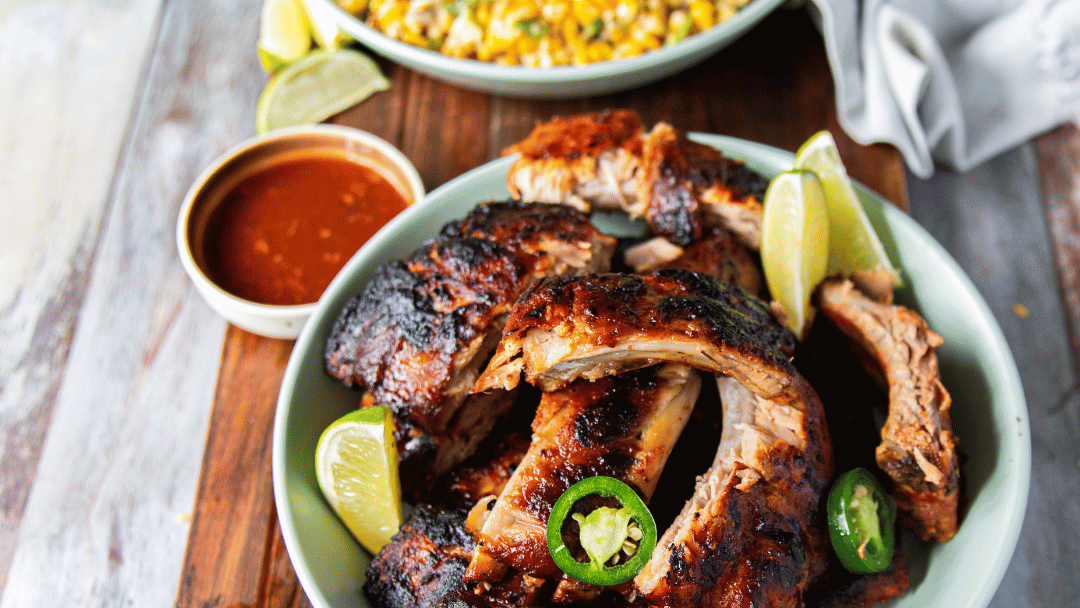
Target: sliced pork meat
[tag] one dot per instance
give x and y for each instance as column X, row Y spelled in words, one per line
column 620, row 426
column 597, row 325
column 752, row 534
column 686, row 186
column 585, row 161
column 718, row 254
column 418, row 334
column 918, row 448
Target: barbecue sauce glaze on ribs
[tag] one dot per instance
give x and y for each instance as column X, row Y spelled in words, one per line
column 422, row 328
column 616, row 351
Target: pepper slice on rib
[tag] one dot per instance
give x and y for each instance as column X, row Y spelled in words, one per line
column 605, row 533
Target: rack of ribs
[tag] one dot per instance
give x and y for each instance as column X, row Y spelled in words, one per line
column 417, row 335
column 752, row 530
column 918, row 448
column 717, row 254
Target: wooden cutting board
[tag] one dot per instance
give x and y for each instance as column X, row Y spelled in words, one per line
column 772, row 86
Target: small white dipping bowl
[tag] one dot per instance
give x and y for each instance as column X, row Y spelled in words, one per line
column 224, row 174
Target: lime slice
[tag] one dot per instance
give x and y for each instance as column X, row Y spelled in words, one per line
column 356, row 463
column 794, row 244
column 853, row 244
column 283, row 35
column 323, row 26
column 316, row 87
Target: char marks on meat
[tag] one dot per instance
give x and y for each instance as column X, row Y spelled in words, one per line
column 619, row 426
column 752, row 534
column 717, row 254
column 424, row 563
column 583, row 161
column 842, row 589
column 918, row 448
column 606, row 160
column 418, row 334
column 589, row 327
column 686, row 185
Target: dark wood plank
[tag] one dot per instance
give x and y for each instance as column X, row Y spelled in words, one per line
column 234, row 546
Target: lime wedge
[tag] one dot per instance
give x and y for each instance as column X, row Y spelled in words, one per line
column 356, row 463
column 853, row 244
column 283, row 34
column 316, row 87
column 323, row 26
column 794, row 244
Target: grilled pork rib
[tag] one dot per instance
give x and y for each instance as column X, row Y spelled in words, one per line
column 418, row 334
column 751, row 535
column 583, row 161
column 918, row 448
column 606, row 160
column 716, row 254
column 685, row 186
column 598, row 325
column 423, row 565
column 620, row 426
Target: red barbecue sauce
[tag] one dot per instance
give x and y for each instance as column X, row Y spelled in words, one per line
column 283, row 233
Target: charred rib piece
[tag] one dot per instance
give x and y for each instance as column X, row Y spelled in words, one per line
column 423, row 564
column 918, row 448
column 751, row 535
column 717, row 254
column 594, row 326
column 604, row 160
column 686, row 186
column 418, row 334
column 841, row 589
column 581, row 161
column 620, row 426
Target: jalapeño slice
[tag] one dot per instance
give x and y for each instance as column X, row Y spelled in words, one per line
column 618, row 541
column 862, row 519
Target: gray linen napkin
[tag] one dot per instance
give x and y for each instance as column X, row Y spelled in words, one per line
column 952, row 81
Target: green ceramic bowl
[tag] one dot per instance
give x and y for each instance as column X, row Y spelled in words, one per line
column 989, row 412
column 559, row 82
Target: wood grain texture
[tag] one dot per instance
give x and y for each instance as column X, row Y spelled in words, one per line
column 231, row 555
column 106, row 517
column 53, row 224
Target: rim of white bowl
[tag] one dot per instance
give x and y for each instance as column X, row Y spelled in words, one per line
column 208, row 286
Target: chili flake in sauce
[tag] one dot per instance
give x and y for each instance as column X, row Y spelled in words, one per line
column 283, row 233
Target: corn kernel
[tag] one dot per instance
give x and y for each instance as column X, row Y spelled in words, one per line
column 585, row 11
column 701, row 11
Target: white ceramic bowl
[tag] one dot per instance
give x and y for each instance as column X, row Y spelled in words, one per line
column 561, row 81
column 210, row 187
column 989, row 412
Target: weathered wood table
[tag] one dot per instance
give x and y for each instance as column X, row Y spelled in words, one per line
column 135, row 424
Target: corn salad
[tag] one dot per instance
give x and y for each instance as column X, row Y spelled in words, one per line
column 546, row 33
